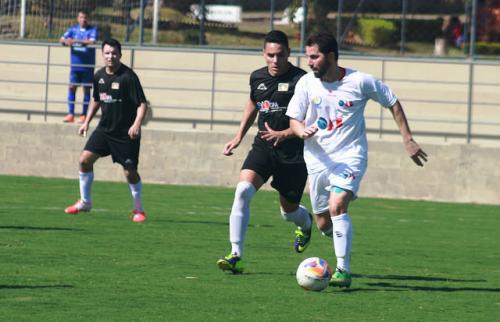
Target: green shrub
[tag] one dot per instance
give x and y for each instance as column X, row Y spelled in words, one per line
column 377, row 32
column 488, row 48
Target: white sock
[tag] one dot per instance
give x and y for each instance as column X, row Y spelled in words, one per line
column 240, row 215
column 86, row 179
column 299, row 216
column 342, row 240
column 136, row 191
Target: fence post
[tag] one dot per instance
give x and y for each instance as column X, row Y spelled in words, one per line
column 212, row 100
column 473, row 28
column 47, row 70
column 22, row 28
column 141, row 23
column 381, row 119
column 469, row 99
column 271, row 27
column 403, row 27
column 303, row 26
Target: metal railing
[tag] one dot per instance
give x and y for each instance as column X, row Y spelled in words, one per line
column 170, row 112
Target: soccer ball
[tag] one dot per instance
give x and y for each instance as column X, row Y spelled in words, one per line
column 314, row 274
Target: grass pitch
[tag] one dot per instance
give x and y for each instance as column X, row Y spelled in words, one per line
column 412, row 260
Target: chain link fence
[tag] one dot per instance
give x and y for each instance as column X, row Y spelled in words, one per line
column 456, row 28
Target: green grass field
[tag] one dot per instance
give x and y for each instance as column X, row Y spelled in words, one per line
column 412, row 260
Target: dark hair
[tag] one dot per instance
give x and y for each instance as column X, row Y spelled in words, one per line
column 85, row 12
column 326, row 43
column 113, row 43
column 277, row 37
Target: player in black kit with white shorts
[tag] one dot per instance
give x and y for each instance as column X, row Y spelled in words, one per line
column 275, row 151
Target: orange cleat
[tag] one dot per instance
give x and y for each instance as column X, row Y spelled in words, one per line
column 70, row 118
column 78, row 207
column 81, row 119
column 138, row 216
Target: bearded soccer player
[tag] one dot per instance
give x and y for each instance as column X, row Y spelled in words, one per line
column 119, row 94
column 327, row 112
column 275, row 152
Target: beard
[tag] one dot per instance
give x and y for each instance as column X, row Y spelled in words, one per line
column 322, row 69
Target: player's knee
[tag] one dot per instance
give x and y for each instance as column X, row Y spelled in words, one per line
column 324, row 225
column 85, row 163
column 244, row 191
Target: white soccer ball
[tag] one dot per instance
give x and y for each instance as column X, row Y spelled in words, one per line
column 314, row 274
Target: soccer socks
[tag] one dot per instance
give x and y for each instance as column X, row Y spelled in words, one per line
column 86, row 179
column 136, row 191
column 300, row 217
column 240, row 216
column 71, row 101
column 86, row 100
column 342, row 240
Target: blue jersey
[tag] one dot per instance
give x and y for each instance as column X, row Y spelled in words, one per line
column 81, row 54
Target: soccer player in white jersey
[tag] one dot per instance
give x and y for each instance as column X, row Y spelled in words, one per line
column 327, row 112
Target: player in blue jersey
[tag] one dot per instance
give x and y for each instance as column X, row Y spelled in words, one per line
column 79, row 36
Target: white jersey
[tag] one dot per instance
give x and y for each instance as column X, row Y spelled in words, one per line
column 338, row 110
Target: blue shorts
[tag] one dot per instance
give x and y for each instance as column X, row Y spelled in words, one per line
column 81, row 77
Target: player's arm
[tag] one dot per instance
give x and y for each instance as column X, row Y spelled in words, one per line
column 135, row 130
column 249, row 114
column 277, row 136
column 414, row 151
column 298, row 128
column 93, row 108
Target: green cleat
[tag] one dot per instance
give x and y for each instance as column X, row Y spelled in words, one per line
column 341, row 279
column 302, row 238
column 231, row 263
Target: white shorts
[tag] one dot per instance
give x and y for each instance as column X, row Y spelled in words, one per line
column 346, row 175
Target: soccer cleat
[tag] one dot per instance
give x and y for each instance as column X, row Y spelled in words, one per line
column 341, row 279
column 81, row 119
column 231, row 263
column 302, row 238
column 138, row 216
column 78, row 207
column 70, row 118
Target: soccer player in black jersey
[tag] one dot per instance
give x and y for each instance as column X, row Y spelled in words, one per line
column 118, row 92
column 275, row 151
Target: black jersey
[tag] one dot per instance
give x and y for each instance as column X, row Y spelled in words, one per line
column 120, row 94
column 271, row 95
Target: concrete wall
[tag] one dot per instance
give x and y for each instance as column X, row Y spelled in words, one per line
column 455, row 172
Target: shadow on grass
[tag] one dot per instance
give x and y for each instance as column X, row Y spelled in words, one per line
column 34, row 286
column 41, row 228
column 205, row 222
column 438, row 289
column 417, row 278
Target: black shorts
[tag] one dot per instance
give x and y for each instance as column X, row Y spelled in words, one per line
column 123, row 150
column 289, row 179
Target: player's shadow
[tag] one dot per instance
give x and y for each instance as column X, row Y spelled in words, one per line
column 41, row 228
column 417, row 278
column 34, row 286
column 434, row 289
column 206, row 222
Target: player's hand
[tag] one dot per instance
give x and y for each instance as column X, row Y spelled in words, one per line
column 309, row 132
column 69, row 42
column 82, row 131
column 415, row 152
column 271, row 135
column 230, row 146
column 134, row 132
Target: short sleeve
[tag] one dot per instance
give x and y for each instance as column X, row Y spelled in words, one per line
column 135, row 90
column 93, row 34
column 378, row 91
column 95, row 88
column 297, row 107
column 69, row 33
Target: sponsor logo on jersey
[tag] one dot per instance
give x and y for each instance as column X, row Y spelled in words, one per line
column 104, row 97
column 267, row 105
column 101, row 81
column 262, row 87
column 282, row 87
column 316, row 100
column 348, row 176
column 329, row 125
column 345, row 103
column 115, row 85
